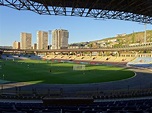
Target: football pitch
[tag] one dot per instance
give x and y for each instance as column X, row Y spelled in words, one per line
column 38, row 71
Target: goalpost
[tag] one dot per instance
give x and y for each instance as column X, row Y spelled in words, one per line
column 78, row 67
column 9, row 59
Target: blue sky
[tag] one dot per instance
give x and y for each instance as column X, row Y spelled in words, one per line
column 81, row 29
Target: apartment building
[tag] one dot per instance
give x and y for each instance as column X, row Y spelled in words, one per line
column 35, row 46
column 60, row 39
column 26, row 40
column 16, row 45
column 42, row 40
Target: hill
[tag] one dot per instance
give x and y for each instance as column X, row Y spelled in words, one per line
column 119, row 40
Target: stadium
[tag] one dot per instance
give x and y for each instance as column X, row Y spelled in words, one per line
column 26, row 78
column 76, row 80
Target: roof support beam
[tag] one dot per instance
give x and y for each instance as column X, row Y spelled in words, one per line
column 132, row 10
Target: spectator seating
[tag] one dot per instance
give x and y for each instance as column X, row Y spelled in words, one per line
column 101, row 59
column 102, row 106
column 143, row 62
column 21, row 56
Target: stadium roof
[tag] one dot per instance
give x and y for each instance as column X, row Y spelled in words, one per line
column 131, row 10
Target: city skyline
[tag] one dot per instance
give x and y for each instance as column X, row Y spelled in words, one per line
column 81, row 29
column 59, row 40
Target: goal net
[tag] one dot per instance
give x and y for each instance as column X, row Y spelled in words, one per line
column 78, row 67
column 9, row 59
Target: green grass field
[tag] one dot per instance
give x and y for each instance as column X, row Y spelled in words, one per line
column 35, row 71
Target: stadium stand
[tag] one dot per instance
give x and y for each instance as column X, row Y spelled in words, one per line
column 131, row 101
column 143, row 62
column 112, row 106
column 21, row 56
column 114, row 60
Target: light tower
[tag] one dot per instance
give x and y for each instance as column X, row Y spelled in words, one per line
column 145, row 37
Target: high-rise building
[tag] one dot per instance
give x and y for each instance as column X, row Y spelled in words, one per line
column 42, row 40
column 16, row 45
column 60, row 39
column 26, row 40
